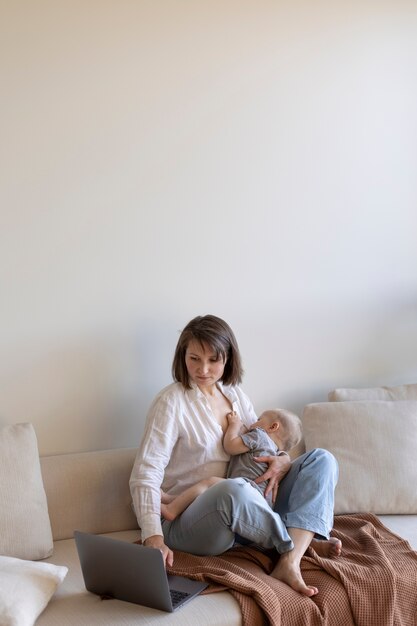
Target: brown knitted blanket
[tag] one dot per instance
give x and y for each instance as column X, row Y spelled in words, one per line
column 373, row 583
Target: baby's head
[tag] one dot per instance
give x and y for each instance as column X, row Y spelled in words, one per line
column 283, row 425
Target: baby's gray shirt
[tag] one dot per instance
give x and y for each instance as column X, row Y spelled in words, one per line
column 243, row 465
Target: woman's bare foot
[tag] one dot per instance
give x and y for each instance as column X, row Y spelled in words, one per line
column 288, row 571
column 327, row 548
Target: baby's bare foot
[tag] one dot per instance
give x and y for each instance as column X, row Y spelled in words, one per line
column 290, row 573
column 327, row 548
column 166, row 498
column 167, row 512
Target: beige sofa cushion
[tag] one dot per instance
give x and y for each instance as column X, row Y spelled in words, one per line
column 25, row 529
column 26, row 588
column 375, row 444
column 89, row 491
column 401, row 392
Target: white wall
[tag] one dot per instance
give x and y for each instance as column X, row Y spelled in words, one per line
column 160, row 160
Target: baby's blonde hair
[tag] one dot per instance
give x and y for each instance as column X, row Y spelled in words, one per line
column 291, row 433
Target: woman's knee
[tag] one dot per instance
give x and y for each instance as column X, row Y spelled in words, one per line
column 326, row 461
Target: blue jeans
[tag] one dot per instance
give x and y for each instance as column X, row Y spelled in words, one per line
column 233, row 507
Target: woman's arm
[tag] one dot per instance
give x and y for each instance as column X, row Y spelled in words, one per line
column 161, row 434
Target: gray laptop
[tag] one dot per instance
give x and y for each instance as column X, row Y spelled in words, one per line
column 127, row 571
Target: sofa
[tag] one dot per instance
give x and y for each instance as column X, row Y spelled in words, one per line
column 374, row 440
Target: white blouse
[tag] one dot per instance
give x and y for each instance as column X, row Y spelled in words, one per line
column 181, row 445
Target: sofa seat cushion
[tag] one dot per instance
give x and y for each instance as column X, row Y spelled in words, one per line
column 73, row 605
column 403, row 525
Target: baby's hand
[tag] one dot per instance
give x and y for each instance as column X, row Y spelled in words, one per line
column 233, row 418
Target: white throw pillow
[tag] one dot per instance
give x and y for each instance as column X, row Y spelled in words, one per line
column 401, row 392
column 25, row 589
column 25, row 529
column 375, row 444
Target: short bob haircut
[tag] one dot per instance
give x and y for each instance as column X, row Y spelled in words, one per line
column 215, row 333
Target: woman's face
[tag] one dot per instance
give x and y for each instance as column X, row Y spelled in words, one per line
column 203, row 367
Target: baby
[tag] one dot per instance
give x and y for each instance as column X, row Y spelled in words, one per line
column 275, row 432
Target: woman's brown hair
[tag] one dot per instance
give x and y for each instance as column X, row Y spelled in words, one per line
column 216, row 333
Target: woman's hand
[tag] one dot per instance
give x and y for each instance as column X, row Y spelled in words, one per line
column 157, row 541
column 278, row 468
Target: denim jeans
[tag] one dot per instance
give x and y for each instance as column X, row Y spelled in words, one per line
column 232, row 507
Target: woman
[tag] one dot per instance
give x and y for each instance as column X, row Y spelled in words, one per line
column 182, row 444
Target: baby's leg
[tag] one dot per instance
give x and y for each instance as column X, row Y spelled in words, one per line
column 172, row 507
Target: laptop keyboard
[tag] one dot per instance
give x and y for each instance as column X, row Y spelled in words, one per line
column 177, row 596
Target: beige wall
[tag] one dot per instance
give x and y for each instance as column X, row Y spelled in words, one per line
column 164, row 159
